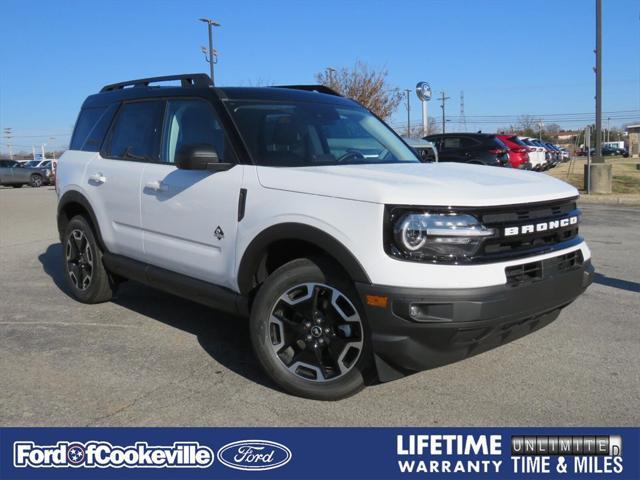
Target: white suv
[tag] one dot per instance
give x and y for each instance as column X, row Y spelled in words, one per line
column 302, row 210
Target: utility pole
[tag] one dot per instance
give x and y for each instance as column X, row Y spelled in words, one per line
column 599, row 177
column 330, row 72
column 7, row 134
column 408, row 92
column 33, row 151
column 608, row 129
column 210, row 52
column 443, row 100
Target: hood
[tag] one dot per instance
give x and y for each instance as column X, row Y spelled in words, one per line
column 437, row 184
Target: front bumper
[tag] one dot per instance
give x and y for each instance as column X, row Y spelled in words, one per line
column 447, row 325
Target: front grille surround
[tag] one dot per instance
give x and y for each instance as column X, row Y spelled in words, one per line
column 501, row 247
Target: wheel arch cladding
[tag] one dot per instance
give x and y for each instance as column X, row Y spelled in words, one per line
column 74, row 203
column 290, row 241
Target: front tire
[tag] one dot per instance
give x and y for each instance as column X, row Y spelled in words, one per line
column 36, row 180
column 86, row 276
column 309, row 332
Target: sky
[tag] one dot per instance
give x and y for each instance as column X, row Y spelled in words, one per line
column 509, row 57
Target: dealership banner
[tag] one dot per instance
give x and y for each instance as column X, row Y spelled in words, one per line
column 319, row 453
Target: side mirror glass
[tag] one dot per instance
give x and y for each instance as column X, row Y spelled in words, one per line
column 197, row 157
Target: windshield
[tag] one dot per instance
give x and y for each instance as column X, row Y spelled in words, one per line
column 32, row 163
column 299, row 134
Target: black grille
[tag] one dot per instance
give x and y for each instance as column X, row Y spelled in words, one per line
column 502, row 246
column 533, row 271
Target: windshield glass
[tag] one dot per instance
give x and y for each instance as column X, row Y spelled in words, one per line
column 32, row 163
column 299, row 134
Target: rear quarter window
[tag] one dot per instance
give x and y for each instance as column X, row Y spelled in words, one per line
column 91, row 127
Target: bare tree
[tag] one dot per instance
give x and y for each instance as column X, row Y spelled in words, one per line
column 527, row 122
column 365, row 85
column 416, row 129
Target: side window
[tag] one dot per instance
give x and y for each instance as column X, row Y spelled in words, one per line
column 468, row 142
column 99, row 130
column 193, row 122
column 85, row 123
column 450, row 143
column 136, row 132
column 3, row 164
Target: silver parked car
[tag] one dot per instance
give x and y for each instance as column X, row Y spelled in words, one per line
column 15, row 174
column 426, row 150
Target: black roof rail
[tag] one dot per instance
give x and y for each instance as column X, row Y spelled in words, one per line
column 187, row 80
column 311, row 88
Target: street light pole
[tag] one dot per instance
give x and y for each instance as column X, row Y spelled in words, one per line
column 600, row 175
column 210, row 51
column 598, row 155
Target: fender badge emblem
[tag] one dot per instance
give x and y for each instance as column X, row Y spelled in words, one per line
column 219, row 233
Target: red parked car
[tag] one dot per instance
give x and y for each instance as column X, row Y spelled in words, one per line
column 518, row 151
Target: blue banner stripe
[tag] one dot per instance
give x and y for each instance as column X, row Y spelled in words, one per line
column 319, row 453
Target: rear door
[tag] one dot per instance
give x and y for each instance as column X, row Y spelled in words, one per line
column 190, row 217
column 453, row 150
column 113, row 176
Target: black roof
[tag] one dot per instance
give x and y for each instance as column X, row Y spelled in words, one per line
column 200, row 85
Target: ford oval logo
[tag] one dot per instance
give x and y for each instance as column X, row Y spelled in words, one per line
column 254, row 455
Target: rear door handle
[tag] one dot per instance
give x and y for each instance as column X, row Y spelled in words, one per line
column 157, row 186
column 98, row 178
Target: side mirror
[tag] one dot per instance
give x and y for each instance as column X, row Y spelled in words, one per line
column 197, row 157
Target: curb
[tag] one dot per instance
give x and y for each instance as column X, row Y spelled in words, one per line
column 595, row 199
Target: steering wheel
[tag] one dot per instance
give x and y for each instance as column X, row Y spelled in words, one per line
column 356, row 155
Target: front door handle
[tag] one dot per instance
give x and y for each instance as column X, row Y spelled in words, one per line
column 98, row 178
column 157, row 186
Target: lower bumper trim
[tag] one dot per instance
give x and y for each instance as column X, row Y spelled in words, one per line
column 462, row 322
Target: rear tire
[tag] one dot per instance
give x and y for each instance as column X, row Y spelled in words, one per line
column 306, row 344
column 36, row 180
column 86, row 276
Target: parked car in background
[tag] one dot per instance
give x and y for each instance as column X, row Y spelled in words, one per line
column 47, row 165
column 38, row 163
column 537, row 155
column 15, row 174
column 565, row 154
column 556, row 155
column 518, row 152
column 609, row 150
column 426, row 150
column 477, row 148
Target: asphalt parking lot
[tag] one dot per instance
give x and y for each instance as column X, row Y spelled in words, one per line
column 147, row 358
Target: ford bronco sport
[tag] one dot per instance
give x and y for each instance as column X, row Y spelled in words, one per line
column 302, row 210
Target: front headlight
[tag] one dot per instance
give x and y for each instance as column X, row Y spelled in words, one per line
column 436, row 237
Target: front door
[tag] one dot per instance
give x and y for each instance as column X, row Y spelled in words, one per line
column 189, row 217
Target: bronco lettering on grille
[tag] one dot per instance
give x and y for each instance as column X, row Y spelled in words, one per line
column 540, row 227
